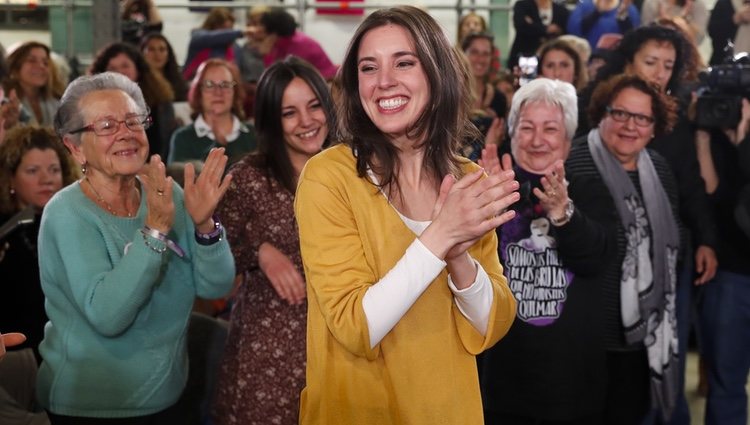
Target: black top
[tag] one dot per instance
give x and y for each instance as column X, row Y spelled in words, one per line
column 20, row 287
column 530, row 31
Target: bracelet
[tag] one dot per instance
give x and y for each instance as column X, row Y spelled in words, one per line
column 211, row 237
column 162, row 237
column 569, row 210
column 153, row 248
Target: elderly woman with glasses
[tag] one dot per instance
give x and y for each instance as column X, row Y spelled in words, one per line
column 126, row 251
column 216, row 101
column 627, row 197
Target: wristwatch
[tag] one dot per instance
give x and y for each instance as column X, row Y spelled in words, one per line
column 559, row 221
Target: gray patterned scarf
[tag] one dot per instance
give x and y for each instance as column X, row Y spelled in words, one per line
column 647, row 283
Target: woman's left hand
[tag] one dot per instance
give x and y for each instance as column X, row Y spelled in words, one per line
column 203, row 194
column 554, row 197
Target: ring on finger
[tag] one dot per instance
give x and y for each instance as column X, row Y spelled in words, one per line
column 159, row 192
column 553, row 193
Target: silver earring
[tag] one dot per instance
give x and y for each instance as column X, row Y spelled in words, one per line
column 83, row 168
column 12, row 191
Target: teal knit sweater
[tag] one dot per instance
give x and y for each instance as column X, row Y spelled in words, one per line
column 115, row 344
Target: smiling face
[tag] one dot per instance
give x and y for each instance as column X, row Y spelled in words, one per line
column 156, row 53
column 217, row 100
column 34, row 72
column 302, row 119
column 37, row 178
column 470, row 24
column 539, row 139
column 654, row 62
column 625, row 140
column 121, row 154
column 479, row 54
column 557, row 65
column 122, row 64
column 393, row 86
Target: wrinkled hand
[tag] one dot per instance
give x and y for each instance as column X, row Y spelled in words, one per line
column 705, row 264
column 283, row 275
column 554, row 196
column 158, row 192
column 10, row 340
column 491, row 163
column 203, row 194
column 467, row 209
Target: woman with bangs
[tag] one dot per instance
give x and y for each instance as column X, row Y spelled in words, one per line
column 397, row 237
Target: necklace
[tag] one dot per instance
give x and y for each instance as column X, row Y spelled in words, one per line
column 105, row 203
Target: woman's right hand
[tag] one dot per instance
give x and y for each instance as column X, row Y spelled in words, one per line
column 467, row 209
column 283, row 275
column 158, row 192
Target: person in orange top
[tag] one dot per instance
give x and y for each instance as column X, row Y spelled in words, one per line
column 404, row 283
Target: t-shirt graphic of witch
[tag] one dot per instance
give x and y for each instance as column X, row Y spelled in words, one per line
column 528, row 251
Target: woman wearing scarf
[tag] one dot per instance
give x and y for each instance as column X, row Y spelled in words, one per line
column 612, row 174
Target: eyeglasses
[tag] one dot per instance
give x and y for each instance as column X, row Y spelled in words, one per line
column 221, row 85
column 110, row 126
column 620, row 115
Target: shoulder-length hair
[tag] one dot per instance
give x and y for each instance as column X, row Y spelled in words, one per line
column 195, row 95
column 579, row 70
column 217, row 18
column 14, row 63
column 632, row 42
column 171, row 71
column 156, row 89
column 19, row 141
column 663, row 107
column 268, row 104
column 443, row 124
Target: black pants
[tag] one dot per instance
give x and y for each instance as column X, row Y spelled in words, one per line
column 170, row 415
column 628, row 388
column 498, row 418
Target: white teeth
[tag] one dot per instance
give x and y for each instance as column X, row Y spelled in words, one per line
column 307, row 135
column 392, row 103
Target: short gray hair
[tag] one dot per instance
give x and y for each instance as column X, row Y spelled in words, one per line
column 69, row 116
column 551, row 92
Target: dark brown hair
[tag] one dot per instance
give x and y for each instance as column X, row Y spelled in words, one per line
column 663, row 107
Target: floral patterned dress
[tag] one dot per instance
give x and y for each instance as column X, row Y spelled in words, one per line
column 263, row 370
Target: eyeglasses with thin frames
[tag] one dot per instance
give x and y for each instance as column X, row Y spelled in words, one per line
column 110, row 126
column 621, row 115
column 220, row 85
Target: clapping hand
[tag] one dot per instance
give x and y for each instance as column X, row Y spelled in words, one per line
column 9, row 340
column 158, row 192
column 202, row 194
column 554, row 196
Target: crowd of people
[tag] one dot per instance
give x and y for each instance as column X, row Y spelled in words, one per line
column 427, row 233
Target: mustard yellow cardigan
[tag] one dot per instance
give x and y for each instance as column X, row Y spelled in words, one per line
column 423, row 371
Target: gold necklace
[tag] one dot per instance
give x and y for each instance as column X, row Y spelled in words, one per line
column 105, row 203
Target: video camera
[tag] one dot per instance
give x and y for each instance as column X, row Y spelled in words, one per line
column 721, row 92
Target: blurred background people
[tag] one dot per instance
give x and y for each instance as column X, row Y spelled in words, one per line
column 126, row 252
column 278, row 37
column 219, row 119
column 35, row 81
column 592, row 19
column 689, row 15
column 127, row 60
column 729, row 23
column 160, row 56
column 725, row 312
column 558, row 60
column 473, row 22
column 263, row 371
column 34, row 165
column 216, row 38
column 535, row 22
column 550, row 367
column 489, row 105
column 139, row 17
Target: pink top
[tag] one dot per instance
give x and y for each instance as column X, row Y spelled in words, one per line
column 304, row 47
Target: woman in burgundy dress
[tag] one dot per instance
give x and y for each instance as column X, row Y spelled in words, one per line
column 263, row 370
